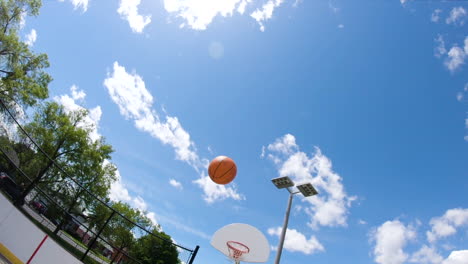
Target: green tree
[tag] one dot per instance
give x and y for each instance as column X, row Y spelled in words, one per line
column 146, row 248
column 99, row 214
column 23, row 79
column 60, row 136
column 122, row 231
column 150, row 249
column 94, row 173
column 65, row 137
column 11, row 156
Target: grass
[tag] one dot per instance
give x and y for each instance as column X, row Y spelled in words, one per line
column 101, row 256
column 96, row 253
column 75, row 240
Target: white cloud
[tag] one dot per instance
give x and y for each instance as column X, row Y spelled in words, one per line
column 390, row 239
column 285, row 145
column 77, row 94
column 135, row 102
column 215, row 192
column 440, row 47
column 362, row 222
column 466, row 47
column 297, row 208
column 330, row 206
column 297, row 242
column 457, row 16
column 266, row 12
column 152, row 216
column 199, row 14
column 426, row 255
column 435, row 16
column 457, row 257
column 456, row 58
column 447, row 224
column 297, row 2
column 242, row 5
column 139, row 204
column 83, row 4
column 128, row 9
column 461, row 95
column 118, row 192
column 71, row 103
column 31, row 38
column 176, row 184
column 128, row 91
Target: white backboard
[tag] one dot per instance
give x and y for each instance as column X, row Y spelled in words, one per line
column 247, row 235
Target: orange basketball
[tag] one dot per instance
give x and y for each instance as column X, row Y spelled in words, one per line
column 222, row 170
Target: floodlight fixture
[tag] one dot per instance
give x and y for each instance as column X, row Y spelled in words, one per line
column 307, row 189
column 283, row 182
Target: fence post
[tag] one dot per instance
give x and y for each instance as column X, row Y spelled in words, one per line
column 194, row 254
column 97, row 235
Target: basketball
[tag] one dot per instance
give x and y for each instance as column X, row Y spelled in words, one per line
column 222, row 170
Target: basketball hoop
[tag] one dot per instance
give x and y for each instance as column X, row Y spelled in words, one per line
column 241, row 242
column 237, row 249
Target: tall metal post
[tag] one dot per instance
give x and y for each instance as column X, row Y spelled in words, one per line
column 97, row 235
column 285, row 227
column 194, row 254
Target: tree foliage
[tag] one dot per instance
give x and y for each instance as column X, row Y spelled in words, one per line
column 150, row 249
column 137, row 243
column 11, row 160
column 65, row 138
column 23, row 79
column 58, row 134
column 122, row 231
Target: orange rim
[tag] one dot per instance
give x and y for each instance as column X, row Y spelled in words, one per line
column 237, row 249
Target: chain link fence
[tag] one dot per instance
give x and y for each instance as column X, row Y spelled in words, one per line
column 94, row 231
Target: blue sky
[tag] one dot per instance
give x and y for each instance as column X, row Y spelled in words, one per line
column 366, row 99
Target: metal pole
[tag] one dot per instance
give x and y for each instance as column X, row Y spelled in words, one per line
column 285, row 227
column 97, row 235
column 194, row 254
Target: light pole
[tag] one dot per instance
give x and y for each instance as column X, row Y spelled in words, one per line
column 286, row 183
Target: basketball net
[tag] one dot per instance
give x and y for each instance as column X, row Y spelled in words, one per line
column 237, row 250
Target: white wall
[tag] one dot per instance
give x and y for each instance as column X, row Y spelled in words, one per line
column 22, row 237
